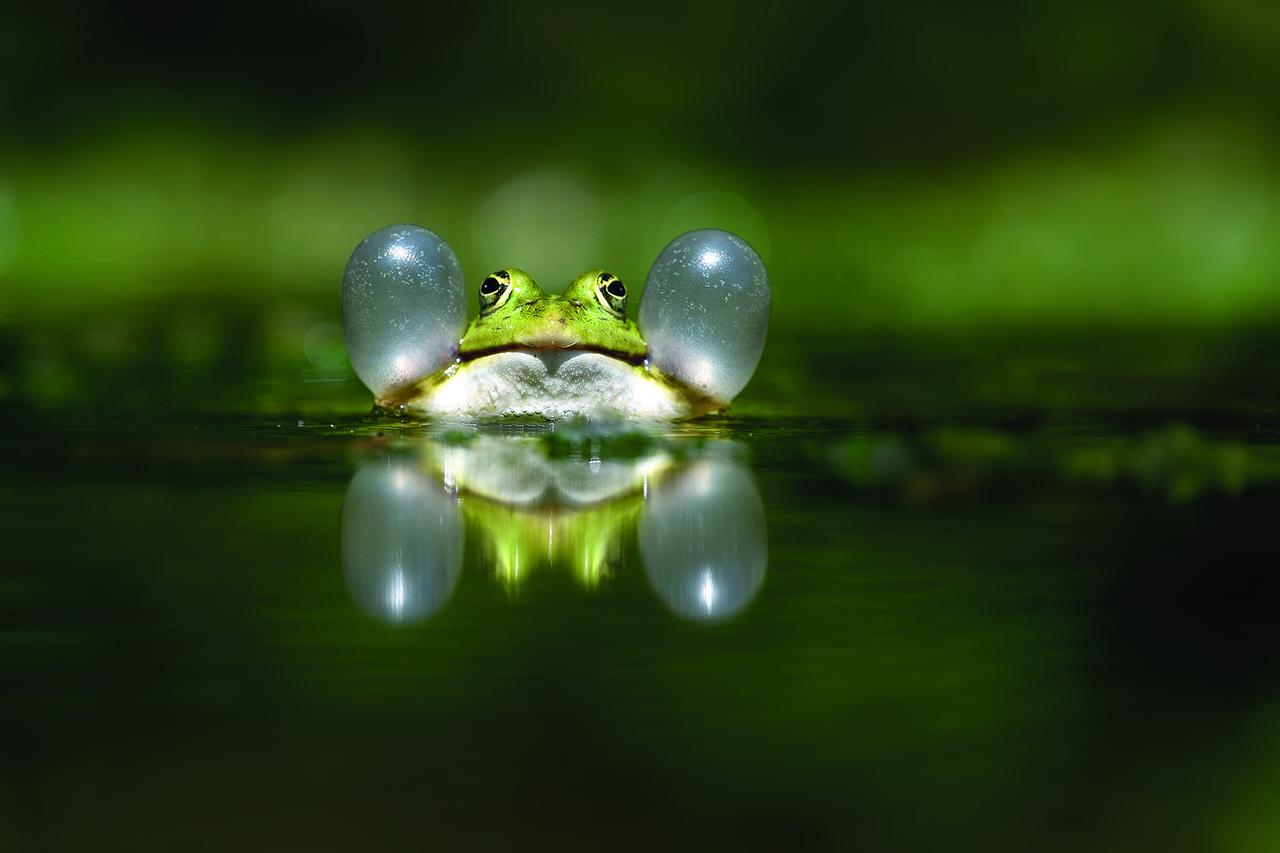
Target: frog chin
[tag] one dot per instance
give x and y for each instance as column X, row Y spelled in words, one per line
column 552, row 384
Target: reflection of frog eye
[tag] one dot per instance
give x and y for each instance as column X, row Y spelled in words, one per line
column 611, row 293
column 495, row 291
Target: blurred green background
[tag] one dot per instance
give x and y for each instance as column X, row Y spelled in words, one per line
column 1014, row 429
column 901, row 166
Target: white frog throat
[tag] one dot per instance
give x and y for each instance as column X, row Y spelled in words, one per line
column 549, row 383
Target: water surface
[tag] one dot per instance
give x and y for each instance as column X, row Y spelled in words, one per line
column 991, row 597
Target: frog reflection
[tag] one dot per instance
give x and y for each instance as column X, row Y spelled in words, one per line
column 401, row 538
column 703, row 540
column 701, row 523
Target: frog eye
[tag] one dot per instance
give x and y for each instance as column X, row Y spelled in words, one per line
column 404, row 306
column 611, row 293
column 495, row 291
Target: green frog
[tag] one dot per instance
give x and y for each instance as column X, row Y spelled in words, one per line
column 532, row 353
column 537, row 355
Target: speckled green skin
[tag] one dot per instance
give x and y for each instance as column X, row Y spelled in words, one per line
column 529, row 317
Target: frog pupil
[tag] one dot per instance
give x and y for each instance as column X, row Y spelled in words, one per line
column 617, row 288
column 490, row 285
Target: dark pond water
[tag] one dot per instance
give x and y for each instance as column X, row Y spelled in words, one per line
column 982, row 596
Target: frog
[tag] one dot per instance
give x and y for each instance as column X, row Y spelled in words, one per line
column 531, row 353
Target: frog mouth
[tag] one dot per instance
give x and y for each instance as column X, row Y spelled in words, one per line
column 542, row 348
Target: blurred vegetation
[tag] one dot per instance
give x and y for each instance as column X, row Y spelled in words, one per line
column 915, row 167
column 1177, row 464
column 1174, row 228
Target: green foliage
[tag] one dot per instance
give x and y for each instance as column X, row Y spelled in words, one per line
column 1167, row 227
column 1177, row 464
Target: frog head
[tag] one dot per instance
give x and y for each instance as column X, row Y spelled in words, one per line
column 589, row 316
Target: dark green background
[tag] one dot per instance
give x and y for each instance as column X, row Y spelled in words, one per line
column 1014, row 430
column 901, row 166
